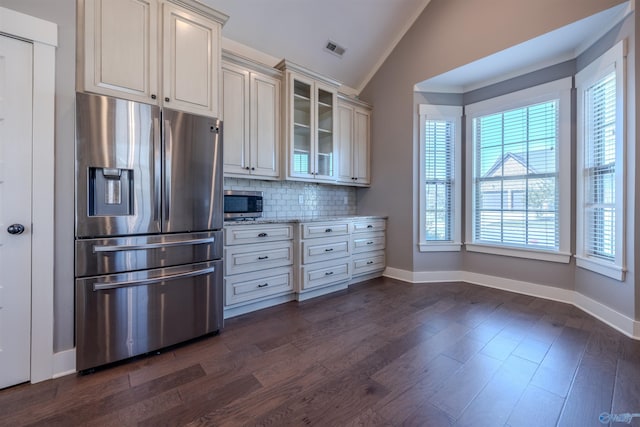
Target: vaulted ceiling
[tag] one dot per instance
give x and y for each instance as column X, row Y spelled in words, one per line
column 299, row 30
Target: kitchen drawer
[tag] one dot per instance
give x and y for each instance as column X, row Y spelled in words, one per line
column 366, row 242
column 314, row 250
column 257, row 285
column 324, row 229
column 241, row 234
column 361, row 226
column 325, row 273
column 246, row 258
column 369, row 262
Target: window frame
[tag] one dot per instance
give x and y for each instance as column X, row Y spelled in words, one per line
column 560, row 90
column 613, row 59
column 453, row 114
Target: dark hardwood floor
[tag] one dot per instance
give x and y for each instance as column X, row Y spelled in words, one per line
column 383, row 353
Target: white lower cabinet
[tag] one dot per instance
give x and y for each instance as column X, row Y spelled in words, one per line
column 258, row 263
column 241, row 288
column 368, row 241
column 268, row 264
column 323, row 261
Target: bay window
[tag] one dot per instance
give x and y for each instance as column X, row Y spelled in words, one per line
column 518, row 173
column 440, row 178
column 600, row 165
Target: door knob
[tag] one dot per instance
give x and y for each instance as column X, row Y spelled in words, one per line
column 15, row 229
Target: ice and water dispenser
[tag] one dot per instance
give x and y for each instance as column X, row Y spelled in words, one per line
column 110, row 192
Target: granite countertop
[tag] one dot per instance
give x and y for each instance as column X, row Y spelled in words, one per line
column 304, row 219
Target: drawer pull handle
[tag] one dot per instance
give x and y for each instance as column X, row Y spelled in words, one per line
column 263, row 235
column 369, row 243
column 370, row 226
column 263, row 257
column 264, row 285
column 328, row 230
column 328, row 273
column 328, row 250
column 369, row 262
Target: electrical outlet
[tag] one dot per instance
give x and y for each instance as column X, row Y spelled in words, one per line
column 301, row 199
column 346, row 200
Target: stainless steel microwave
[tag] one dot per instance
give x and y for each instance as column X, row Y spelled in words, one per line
column 242, row 204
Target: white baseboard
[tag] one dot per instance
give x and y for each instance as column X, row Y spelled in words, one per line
column 606, row 314
column 64, row 363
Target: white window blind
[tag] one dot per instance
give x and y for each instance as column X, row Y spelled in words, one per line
column 516, row 177
column 600, row 168
column 440, row 178
column 519, row 173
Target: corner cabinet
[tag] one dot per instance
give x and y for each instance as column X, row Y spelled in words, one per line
column 251, row 114
column 353, row 142
column 126, row 45
column 310, row 123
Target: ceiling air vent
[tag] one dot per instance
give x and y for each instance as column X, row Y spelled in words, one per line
column 335, row 48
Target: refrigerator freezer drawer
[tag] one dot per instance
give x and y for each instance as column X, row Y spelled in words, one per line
column 115, row 255
column 124, row 315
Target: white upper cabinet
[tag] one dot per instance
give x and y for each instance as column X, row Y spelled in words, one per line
column 353, row 142
column 310, row 116
column 126, row 45
column 191, row 61
column 251, row 114
column 120, row 48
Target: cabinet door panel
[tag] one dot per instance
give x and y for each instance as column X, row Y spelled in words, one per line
column 302, row 153
column 361, row 147
column 191, row 55
column 325, row 129
column 345, row 143
column 265, row 132
column 121, row 48
column 235, row 92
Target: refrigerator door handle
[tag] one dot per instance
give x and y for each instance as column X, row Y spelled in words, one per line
column 151, row 281
column 157, row 169
column 119, row 248
column 168, row 146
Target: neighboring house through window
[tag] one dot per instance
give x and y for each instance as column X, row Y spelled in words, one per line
column 518, row 194
column 440, row 178
column 600, row 165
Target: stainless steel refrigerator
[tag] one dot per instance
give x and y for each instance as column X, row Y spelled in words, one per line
column 148, row 228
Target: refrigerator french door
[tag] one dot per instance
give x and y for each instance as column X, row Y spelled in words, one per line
column 149, row 215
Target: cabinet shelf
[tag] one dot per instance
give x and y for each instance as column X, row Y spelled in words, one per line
column 301, row 97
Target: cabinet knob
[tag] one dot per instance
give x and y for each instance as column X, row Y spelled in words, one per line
column 262, row 235
column 253, row 169
column 167, row 99
column 153, row 96
column 247, row 167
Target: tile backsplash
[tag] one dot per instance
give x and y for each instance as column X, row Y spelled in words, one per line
column 291, row 199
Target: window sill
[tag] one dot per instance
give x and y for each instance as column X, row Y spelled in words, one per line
column 559, row 257
column 440, row 247
column 605, row 268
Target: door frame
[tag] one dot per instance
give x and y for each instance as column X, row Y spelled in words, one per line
column 44, row 36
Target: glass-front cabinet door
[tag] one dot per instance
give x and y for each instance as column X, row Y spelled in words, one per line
column 302, row 161
column 324, row 132
column 311, row 121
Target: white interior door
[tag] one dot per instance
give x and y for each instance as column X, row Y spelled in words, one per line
column 16, row 65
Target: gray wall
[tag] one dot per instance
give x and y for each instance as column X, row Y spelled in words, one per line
column 63, row 13
column 448, row 34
